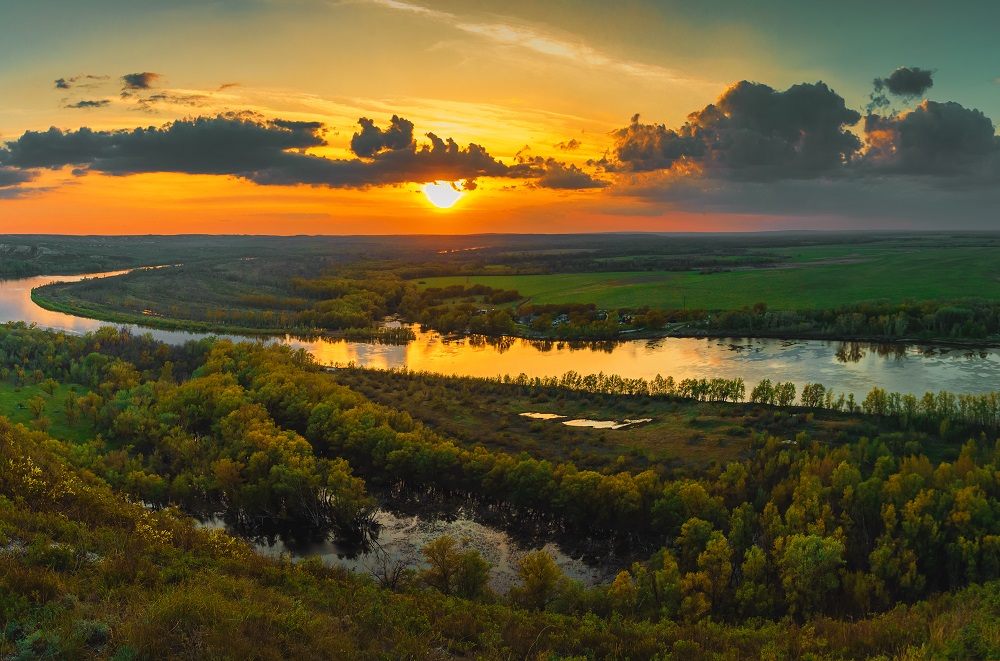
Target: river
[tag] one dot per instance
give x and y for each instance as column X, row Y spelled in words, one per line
column 845, row 367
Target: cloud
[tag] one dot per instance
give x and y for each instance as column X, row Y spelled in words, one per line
column 273, row 152
column 906, row 81
column 137, row 82
column 372, row 140
column 90, row 81
column 228, row 144
column 550, row 173
column 11, row 180
column 441, row 160
column 934, row 138
column 755, row 133
column 14, row 177
column 139, row 88
column 752, row 132
column 150, row 102
column 567, row 177
column 790, row 154
column 85, row 104
column 140, row 81
column 568, row 145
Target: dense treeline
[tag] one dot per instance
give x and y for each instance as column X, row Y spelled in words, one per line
column 852, row 513
column 961, row 319
column 798, row 530
column 201, row 443
column 935, row 411
column 86, row 574
column 249, row 404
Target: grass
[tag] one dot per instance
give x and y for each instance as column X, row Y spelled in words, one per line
column 882, row 273
column 681, row 434
column 14, row 405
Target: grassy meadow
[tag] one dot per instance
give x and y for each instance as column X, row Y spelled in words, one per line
column 14, row 404
column 814, row 277
column 680, row 433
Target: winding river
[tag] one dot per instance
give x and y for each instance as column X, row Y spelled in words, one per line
column 844, row 367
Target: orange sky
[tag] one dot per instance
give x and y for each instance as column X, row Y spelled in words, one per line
column 524, row 74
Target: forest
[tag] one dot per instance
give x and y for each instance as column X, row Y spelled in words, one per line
column 837, row 529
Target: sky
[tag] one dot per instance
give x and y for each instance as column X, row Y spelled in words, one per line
column 369, row 116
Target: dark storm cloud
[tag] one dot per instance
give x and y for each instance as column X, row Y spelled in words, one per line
column 934, row 139
column 372, row 140
column 272, row 152
column 906, row 81
column 755, row 133
column 752, row 132
column 787, row 154
column 228, row 144
column 99, row 103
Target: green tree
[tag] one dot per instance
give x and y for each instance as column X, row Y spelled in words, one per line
column 50, row 386
column 441, row 556
column 37, row 406
column 754, row 595
column 695, row 534
column 809, row 568
column 542, row 580
column 453, row 572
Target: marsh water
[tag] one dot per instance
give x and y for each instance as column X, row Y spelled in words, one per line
column 845, row 367
column 407, row 524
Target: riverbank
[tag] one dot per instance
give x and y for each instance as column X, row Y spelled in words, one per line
column 379, row 335
column 386, row 335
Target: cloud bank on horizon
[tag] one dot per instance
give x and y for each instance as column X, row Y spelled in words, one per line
column 760, row 150
column 756, row 150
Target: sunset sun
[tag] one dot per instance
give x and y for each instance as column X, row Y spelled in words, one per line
column 443, row 194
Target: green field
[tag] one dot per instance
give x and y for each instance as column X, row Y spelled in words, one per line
column 14, row 405
column 817, row 277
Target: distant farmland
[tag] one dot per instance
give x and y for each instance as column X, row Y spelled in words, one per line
column 821, row 277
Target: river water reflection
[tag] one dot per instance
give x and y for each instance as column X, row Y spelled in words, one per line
column 844, row 367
